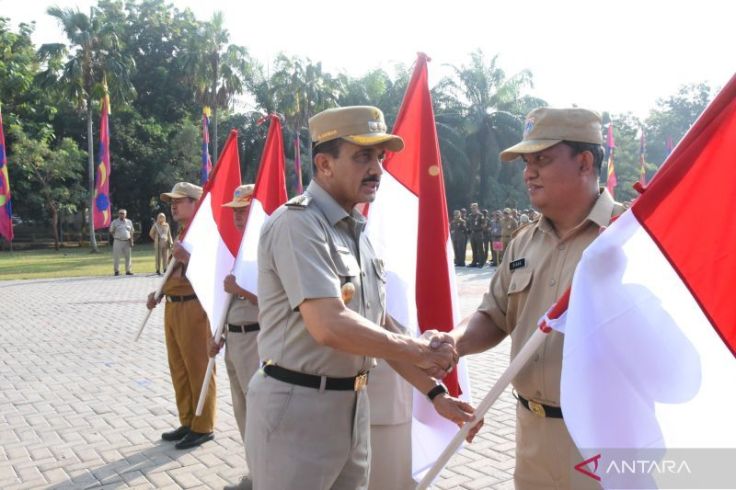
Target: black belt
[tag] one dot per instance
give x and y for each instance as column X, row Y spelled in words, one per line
column 180, row 299
column 355, row 383
column 253, row 327
column 540, row 409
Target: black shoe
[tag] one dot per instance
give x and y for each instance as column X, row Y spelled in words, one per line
column 176, row 434
column 128, row 273
column 117, row 273
column 194, row 439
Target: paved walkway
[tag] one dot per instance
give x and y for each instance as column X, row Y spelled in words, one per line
column 83, row 406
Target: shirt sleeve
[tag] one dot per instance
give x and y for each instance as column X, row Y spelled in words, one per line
column 301, row 258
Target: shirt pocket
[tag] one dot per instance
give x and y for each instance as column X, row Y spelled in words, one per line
column 520, row 282
column 348, row 271
column 517, row 294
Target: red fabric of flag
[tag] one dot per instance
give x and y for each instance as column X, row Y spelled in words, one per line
column 419, row 168
column 270, row 187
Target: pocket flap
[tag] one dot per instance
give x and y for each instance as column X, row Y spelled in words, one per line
column 520, row 280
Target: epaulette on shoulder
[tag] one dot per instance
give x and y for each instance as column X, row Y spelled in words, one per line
column 299, row 202
column 520, row 229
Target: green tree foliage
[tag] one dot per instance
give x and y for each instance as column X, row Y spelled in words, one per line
column 162, row 65
column 50, row 174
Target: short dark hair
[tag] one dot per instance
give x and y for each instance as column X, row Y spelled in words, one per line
column 331, row 147
column 597, row 150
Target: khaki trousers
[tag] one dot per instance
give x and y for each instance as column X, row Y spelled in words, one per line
column 162, row 256
column 187, row 331
column 546, row 455
column 301, row 437
column 241, row 360
column 121, row 249
column 391, row 457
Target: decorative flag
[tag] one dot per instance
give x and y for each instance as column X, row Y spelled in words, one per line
column 408, row 227
column 212, row 239
column 206, row 160
column 669, row 145
column 649, row 357
column 642, row 164
column 611, row 181
column 6, row 208
column 298, row 164
column 102, row 215
column 269, row 193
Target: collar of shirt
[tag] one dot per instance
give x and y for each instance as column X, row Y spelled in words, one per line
column 600, row 214
column 332, row 210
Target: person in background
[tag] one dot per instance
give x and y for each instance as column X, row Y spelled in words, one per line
column 161, row 235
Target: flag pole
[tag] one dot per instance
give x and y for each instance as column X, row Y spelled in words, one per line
column 521, row 359
column 211, row 362
column 157, row 295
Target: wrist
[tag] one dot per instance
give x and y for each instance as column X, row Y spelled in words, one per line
column 436, row 392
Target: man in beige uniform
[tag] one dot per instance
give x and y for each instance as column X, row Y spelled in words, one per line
column 322, row 301
column 187, row 333
column 562, row 152
column 241, row 354
column 121, row 230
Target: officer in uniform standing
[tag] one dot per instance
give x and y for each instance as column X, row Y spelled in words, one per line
column 187, row 333
column 121, row 230
column 475, row 225
column 459, row 233
column 562, row 151
column 322, row 302
column 241, row 354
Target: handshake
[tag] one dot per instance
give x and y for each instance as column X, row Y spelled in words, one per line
column 438, row 354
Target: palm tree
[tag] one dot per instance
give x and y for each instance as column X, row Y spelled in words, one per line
column 78, row 71
column 220, row 70
column 492, row 107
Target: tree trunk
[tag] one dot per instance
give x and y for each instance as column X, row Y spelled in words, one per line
column 91, row 170
column 55, row 225
column 214, row 108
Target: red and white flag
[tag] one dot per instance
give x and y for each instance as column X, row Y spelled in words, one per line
column 408, row 226
column 212, row 239
column 269, row 193
column 649, row 361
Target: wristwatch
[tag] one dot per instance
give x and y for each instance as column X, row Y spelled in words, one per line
column 436, row 391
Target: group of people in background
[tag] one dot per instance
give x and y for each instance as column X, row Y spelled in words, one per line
column 488, row 233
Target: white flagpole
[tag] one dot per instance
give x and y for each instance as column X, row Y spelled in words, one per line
column 531, row 346
column 211, row 363
column 157, row 294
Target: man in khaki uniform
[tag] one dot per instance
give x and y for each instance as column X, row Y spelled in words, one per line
column 187, row 333
column 121, row 230
column 241, row 354
column 562, row 152
column 322, row 302
column 475, row 227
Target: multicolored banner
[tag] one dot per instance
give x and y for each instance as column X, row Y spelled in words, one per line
column 102, row 214
column 611, row 181
column 6, row 208
column 642, row 163
column 298, row 164
column 204, row 173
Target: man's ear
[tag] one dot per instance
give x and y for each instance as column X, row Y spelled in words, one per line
column 587, row 163
column 323, row 163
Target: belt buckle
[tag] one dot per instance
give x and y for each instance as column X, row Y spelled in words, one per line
column 537, row 409
column 361, row 380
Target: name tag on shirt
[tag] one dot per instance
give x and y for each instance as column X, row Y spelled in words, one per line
column 517, row 264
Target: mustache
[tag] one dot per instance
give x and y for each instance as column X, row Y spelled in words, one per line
column 373, row 178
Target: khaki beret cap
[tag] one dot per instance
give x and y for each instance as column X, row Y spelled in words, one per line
column 360, row 125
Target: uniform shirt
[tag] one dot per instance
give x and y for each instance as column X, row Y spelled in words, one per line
column 508, row 226
column 121, row 229
column 543, row 267
column 242, row 312
column 309, row 248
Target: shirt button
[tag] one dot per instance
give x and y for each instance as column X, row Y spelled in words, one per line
column 561, row 247
column 538, row 394
column 552, row 282
column 368, row 306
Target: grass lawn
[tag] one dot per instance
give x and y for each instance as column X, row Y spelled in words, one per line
column 70, row 262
